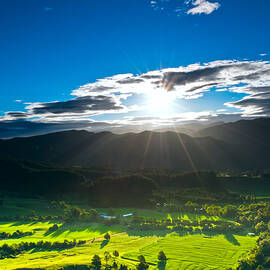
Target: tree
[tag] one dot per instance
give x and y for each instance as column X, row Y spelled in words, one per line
column 107, row 257
column 141, row 259
column 162, row 256
column 259, row 267
column 142, row 266
column 214, row 210
column 230, row 211
column 260, row 227
column 53, row 228
column 96, row 262
column 116, row 254
column 93, row 214
column 63, row 205
column 114, row 266
column 75, row 212
column 54, row 204
column 107, row 236
column 123, row 267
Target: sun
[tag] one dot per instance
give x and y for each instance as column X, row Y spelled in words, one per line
column 160, row 102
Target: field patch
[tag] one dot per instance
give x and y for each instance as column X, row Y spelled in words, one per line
column 56, row 259
column 197, row 251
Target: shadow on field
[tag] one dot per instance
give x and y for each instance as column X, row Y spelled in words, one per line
column 70, row 228
column 134, row 260
column 162, row 265
column 18, row 223
column 104, row 243
column 230, row 237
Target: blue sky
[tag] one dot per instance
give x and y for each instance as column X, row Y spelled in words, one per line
column 49, row 49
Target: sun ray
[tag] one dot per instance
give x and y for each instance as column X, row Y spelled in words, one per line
column 160, row 102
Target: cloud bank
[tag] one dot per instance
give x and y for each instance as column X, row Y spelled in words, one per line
column 116, row 95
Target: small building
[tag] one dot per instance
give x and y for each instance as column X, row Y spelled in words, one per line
column 128, row 215
column 106, row 216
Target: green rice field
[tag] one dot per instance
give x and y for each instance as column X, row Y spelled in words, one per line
column 197, row 251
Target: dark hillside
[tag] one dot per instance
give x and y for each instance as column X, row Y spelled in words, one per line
column 240, row 145
column 32, row 178
column 126, row 151
column 252, row 132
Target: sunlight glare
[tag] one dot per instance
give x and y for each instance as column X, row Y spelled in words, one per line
column 160, row 102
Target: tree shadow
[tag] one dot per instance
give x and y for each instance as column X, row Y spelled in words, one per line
column 33, row 223
column 29, row 223
column 135, row 260
column 230, row 237
column 104, row 243
column 17, row 223
column 76, row 227
column 162, row 265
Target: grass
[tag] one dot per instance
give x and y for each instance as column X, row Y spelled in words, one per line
column 25, row 206
column 183, row 252
column 78, row 255
column 196, row 251
column 78, row 231
column 187, row 251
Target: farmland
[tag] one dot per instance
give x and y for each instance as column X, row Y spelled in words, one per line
column 128, row 220
column 184, row 250
column 190, row 250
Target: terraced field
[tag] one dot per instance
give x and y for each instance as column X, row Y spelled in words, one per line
column 183, row 252
column 197, row 251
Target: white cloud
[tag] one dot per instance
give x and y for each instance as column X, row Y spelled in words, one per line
column 191, row 82
column 221, row 110
column 112, row 94
column 263, row 54
column 203, row 7
column 185, row 81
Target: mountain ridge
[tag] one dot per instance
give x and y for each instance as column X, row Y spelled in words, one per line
column 142, row 150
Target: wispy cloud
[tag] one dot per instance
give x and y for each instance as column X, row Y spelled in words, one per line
column 47, row 9
column 202, row 7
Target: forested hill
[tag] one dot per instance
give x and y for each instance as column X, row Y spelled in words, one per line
column 143, row 150
column 248, row 132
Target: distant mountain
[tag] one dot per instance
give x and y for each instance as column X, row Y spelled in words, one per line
column 215, row 150
column 245, row 132
column 190, row 129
